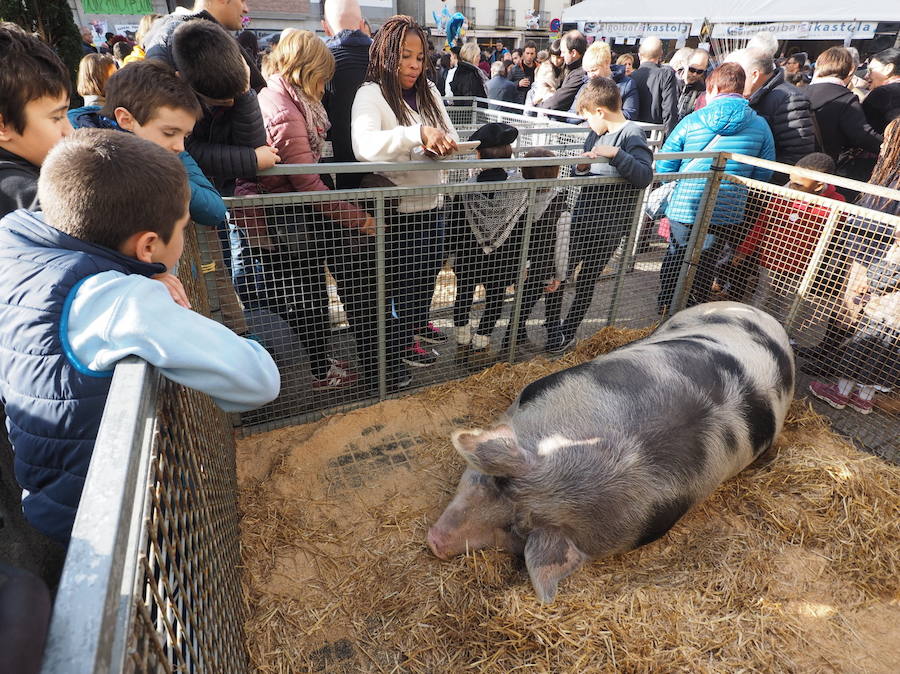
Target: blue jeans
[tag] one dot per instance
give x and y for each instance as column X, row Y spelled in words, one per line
column 671, row 266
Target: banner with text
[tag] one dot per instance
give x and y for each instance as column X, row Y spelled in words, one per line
column 612, row 29
column 799, row 30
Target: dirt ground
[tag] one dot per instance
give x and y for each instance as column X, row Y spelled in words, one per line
column 790, row 566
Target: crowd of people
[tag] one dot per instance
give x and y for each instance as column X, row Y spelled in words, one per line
column 188, row 115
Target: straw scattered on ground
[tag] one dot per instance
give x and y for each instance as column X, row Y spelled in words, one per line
column 790, row 566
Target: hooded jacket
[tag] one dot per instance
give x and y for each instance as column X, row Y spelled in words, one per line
column 787, row 110
column 742, row 131
column 18, row 183
column 842, row 123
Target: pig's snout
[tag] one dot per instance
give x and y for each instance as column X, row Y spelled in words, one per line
column 438, row 543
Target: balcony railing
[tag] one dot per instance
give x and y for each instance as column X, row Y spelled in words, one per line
column 506, row 18
column 468, row 11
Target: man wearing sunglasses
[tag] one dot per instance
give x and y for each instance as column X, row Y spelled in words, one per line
column 693, row 86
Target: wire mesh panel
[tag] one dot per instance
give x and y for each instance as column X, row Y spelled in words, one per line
column 151, row 581
column 830, row 272
column 350, row 316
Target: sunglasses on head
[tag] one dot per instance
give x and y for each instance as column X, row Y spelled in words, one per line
column 697, row 71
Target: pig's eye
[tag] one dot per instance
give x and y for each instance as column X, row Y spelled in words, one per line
column 502, row 483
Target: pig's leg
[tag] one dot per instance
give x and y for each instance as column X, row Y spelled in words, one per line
column 550, row 557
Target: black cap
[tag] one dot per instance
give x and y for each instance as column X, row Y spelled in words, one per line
column 495, row 134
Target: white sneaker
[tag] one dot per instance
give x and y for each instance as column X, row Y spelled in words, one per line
column 464, row 334
column 480, row 342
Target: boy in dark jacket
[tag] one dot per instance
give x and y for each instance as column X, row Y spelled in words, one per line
column 34, row 98
column 603, row 212
column 229, row 141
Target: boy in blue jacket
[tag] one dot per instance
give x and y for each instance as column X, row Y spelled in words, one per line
column 80, row 290
column 149, row 99
column 603, row 212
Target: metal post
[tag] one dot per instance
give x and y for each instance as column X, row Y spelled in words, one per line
column 100, row 537
column 698, row 234
column 520, row 283
column 812, row 268
column 628, row 251
column 381, row 295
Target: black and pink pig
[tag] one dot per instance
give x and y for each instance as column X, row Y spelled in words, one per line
column 606, row 456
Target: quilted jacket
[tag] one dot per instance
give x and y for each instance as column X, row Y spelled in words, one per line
column 787, row 110
column 742, row 131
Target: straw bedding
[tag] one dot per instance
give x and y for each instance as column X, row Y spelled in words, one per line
column 792, row 566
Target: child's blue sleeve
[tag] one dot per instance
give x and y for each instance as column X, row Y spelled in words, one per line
column 207, row 207
column 112, row 315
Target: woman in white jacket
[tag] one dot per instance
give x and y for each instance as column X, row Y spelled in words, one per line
column 395, row 111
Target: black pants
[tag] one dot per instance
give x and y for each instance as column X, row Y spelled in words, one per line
column 353, row 264
column 289, row 279
column 414, row 254
column 495, row 271
column 598, row 228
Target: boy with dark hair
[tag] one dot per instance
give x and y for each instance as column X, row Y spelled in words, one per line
column 77, row 295
column 34, row 98
column 149, row 99
column 227, row 14
column 603, row 213
column 229, row 141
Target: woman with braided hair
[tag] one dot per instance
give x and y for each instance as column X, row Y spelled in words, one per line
column 397, row 110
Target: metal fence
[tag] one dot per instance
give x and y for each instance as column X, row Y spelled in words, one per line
column 152, row 580
column 454, row 277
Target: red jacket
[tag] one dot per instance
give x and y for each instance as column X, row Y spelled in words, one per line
column 787, row 231
column 286, row 131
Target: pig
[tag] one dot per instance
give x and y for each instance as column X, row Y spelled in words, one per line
column 605, row 457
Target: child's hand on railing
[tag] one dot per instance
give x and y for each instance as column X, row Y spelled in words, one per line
column 553, row 286
column 266, row 157
column 175, row 288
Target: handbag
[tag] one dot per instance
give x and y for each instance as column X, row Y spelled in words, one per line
column 658, row 199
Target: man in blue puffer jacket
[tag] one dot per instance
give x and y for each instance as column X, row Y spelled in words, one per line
column 726, row 124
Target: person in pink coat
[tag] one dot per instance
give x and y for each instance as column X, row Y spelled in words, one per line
column 291, row 241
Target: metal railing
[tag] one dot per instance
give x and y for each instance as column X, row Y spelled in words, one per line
column 151, row 581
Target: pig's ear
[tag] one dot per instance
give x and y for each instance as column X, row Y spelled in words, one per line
column 550, row 557
column 494, row 451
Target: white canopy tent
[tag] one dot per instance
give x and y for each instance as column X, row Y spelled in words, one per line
column 731, row 28
column 739, row 11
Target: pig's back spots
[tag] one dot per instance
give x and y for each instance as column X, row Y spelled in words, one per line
column 663, row 516
column 537, row 388
column 779, row 354
column 623, row 375
column 553, row 443
column 760, row 420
